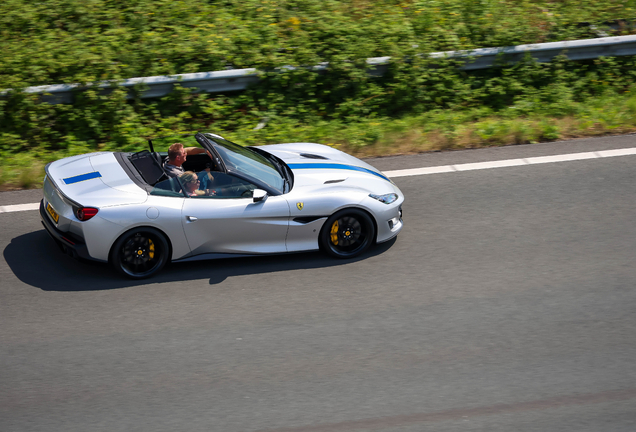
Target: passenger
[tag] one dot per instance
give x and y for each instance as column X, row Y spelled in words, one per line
column 177, row 155
column 190, row 182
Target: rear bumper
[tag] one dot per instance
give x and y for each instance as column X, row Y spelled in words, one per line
column 69, row 243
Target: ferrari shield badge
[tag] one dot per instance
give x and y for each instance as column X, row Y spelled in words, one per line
column 300, row 205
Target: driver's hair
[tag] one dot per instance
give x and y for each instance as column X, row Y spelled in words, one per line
column 174, row 150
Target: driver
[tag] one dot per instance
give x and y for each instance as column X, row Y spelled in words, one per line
column 177, row 155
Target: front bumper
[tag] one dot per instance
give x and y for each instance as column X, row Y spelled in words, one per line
column 70, row 244
column 389, row 223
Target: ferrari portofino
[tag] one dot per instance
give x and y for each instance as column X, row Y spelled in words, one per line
column 126, row 208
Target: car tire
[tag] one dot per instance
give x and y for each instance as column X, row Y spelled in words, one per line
column 347, row 233
column 140, row 253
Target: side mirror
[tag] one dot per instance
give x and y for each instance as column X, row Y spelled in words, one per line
column 259, row 195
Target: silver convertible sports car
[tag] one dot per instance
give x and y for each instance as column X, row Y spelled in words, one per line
column 124, row 209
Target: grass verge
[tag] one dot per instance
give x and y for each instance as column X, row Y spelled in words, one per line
column 433, row 131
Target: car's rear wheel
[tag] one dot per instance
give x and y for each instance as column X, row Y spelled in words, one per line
column 347, row 233
column 140, row 253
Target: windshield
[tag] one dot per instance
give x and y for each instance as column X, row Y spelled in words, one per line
column 247, row 163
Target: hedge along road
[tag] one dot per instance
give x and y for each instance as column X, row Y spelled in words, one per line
column 507, row 303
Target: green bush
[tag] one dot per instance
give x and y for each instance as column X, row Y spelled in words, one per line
column 63, row 41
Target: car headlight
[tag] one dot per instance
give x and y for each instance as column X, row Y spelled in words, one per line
column 386, row 198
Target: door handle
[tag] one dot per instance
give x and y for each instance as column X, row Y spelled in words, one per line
column 191, row 218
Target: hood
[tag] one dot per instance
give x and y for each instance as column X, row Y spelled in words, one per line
column 314, row 164
column 95, row 179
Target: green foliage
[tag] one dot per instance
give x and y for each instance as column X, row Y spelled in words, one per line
column 64, row 41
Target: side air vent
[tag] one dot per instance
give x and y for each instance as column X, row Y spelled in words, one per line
column 313, row 156
column 308, row 219
column 334, row 181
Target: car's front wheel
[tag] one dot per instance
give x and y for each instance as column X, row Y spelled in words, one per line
column 347, row 233
column 140, row 253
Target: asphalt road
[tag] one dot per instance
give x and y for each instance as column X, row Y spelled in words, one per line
column 507, row 303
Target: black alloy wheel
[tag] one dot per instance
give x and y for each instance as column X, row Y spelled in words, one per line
column 140, row 253
column 347, row 233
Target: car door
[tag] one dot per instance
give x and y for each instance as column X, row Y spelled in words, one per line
column 229, row 221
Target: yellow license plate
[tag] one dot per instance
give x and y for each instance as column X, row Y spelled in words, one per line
column 53, row 213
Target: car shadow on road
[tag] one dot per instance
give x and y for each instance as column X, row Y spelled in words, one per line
column 37, row 261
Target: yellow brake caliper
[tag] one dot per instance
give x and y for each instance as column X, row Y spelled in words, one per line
column 151, row 249
column 334, row 233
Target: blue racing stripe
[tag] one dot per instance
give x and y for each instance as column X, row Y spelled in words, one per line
column 82, row 177
column 335, row 166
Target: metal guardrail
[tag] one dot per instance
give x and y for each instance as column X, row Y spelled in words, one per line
column 574, row 50
column 239, row 79
column 157, row 86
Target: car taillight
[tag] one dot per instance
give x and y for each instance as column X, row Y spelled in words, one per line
column 85, row 213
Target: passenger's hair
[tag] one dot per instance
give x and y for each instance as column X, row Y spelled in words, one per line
column 189, row 176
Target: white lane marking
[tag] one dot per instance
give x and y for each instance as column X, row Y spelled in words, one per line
column 561, row 158
column 420, row 171
column 488, row 165
column 511, row 162
column 19, row 207
column 446, row 168
column 617, row 152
